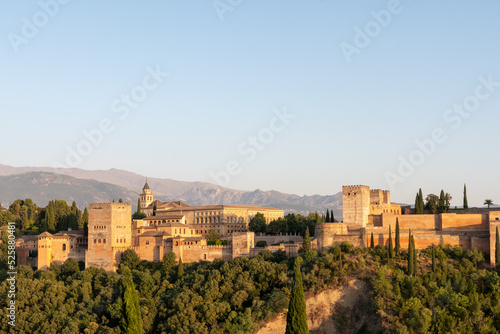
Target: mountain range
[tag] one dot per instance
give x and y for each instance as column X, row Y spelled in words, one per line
column 43, row 184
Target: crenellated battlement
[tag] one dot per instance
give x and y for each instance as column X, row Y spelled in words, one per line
column 103, row 206
column 353, row 188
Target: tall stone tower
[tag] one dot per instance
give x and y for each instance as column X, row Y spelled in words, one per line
column 356, row 205
column 110, row 234
column 146, row 196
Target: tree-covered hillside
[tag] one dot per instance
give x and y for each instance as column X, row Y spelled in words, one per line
column 456, row 292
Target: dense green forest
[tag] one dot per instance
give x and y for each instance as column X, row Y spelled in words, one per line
column 56, row 216
column 456, row 292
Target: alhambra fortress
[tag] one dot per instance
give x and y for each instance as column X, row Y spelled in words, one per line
column 180, row 228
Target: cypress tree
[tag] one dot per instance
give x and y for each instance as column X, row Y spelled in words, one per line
column 410, row 256
column 131, row 321
column 85, row 216
column 421, row 201
column 306, row 244
column 390, row 251
column 442, row 202
column 327, row 217
column 296, row 319
column 50, row 217
column 433, row 259
column 340, row 261
column 138, row 205
column 414, row 252
column 466, row 203
column 332, row 219
column 497, row 250
column 372, row 242
column 397, row 248
column 180, row 269
column 417, row 202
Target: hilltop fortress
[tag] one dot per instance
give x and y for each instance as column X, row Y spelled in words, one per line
column 180, row 228
column 369, row 211
column 169, row 227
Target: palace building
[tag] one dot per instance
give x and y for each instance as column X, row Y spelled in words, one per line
column 169, row 227
column 224, row 219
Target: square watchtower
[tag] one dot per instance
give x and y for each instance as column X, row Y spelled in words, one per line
column 356, row 205
column 110, row 232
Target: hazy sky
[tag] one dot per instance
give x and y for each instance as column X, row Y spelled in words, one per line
column 297, row 96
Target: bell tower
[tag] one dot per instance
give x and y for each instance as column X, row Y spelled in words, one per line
column 146, row 196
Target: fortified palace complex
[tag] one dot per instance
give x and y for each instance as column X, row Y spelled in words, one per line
column 169, row 227
column 180, row 228
column 370, row 211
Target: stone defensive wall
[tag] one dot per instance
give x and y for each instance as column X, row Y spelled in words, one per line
column 465, row 230
column 442, row 222
column 277, row 239
column 289, row 249
column 192, row 253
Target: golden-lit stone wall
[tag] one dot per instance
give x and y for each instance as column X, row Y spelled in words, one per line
column 110, row 232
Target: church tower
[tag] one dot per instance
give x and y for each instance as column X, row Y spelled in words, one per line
column 146, row 196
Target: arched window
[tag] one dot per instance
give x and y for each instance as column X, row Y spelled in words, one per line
column 64, row 247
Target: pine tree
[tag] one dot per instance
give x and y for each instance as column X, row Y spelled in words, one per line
column 390, row 251
column 180, row 269
column 410, row 256
column 466, row 203
column 327, row 217
column 306, row 244
column 414, row 252
column 497, row 250
column 372, row 242
column 397, row 247
column 433, row 259
column 131, row 321
column 296, row 319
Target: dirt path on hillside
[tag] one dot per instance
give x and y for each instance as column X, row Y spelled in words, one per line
column 320, row 309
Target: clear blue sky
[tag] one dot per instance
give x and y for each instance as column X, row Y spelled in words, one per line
column 353, row 120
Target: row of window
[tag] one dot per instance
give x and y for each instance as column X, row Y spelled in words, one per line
column 212, row 220
column 156, row 222
column 118, row 241
column 218, row 231
column 100, row 227
column 182, row 231
column 209, row 213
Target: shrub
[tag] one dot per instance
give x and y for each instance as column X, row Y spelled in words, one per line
column 261, row 243
column 347, row 247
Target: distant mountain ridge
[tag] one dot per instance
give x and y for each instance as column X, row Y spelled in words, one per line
column 16, row 182
column 42, row 187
